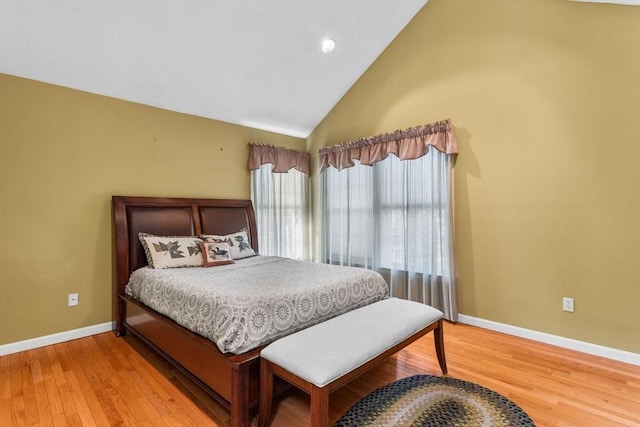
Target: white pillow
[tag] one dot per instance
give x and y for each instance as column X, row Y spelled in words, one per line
column 172, row 251
column 238, row 242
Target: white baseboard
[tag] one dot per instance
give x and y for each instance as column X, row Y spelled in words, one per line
column 584, row 347
column 25, row 345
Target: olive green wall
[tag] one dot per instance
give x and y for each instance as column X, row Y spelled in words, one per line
column 63, row 154
column 545, row 100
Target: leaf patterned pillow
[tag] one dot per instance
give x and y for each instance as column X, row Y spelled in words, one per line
column 238, row 243
column 172, row 251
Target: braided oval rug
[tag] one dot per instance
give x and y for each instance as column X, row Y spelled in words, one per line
column 427, row 400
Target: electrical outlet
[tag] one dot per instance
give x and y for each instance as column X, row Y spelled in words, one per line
column 73, row 299
column 567, row 304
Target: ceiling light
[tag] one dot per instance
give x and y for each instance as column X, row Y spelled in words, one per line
column 328, row 45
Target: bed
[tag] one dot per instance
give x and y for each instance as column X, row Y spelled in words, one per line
column 230, row 376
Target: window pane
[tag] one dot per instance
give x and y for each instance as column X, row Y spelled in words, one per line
column 280, row 201
column 390, row 214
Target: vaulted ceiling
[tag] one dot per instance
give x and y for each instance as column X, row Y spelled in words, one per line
column 255, row 63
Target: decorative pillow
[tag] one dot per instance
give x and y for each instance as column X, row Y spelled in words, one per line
column 172, row 251
column 216, row 253
column 238, row 242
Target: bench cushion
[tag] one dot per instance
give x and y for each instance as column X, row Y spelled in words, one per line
column 327, row 351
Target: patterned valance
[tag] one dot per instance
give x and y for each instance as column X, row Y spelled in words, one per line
column 281, row 158
column 407, row 144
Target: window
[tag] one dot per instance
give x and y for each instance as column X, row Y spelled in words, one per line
column 348, row 217
column 281, row 201
column 412, row 214
column 394, row 217
column 387, row 203
column 389, row 215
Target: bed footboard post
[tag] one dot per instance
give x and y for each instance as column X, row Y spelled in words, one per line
column 240, row 396
column 120, row 330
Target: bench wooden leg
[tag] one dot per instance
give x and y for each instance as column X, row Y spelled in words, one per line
column 438, row 337
column 266, row 394
column 319, row 406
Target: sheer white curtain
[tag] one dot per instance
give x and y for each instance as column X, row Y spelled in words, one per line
column 281, row 204
column 395, row 217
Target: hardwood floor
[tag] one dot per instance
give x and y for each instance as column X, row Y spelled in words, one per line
column 107, row 381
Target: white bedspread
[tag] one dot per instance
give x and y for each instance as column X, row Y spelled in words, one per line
column 256, row 300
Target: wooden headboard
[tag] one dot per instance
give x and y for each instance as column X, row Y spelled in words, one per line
column 171, row 217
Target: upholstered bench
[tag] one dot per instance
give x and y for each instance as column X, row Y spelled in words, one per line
column 324, row 357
